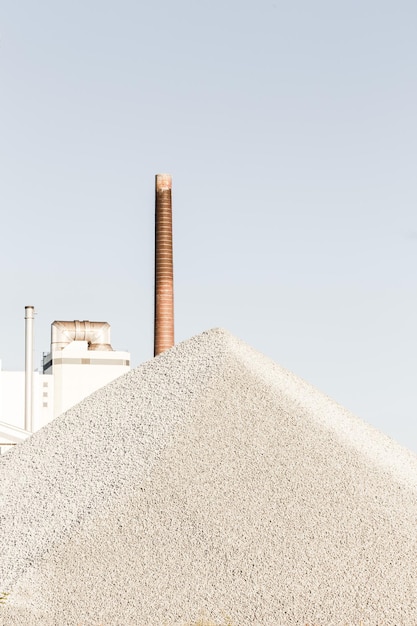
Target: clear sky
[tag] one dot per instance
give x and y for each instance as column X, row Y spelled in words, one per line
column 289, row 129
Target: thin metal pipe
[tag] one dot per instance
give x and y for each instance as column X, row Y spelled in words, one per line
column 29, row 349
column 164, row 266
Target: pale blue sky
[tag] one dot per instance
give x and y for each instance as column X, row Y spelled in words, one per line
column 289, row 130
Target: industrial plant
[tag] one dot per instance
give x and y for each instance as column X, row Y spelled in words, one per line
column 208, row 481
column 81, row 358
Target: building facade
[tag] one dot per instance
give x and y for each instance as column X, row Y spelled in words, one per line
column 80, row 361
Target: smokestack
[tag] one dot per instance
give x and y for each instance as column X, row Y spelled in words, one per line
column 29, row 344
column 164, row 271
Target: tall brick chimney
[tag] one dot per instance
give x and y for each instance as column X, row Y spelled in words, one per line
column 164, row 268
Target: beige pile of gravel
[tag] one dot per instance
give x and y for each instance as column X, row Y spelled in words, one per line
column 208, row 482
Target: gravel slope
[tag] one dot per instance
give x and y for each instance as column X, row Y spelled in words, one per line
column 208, row 481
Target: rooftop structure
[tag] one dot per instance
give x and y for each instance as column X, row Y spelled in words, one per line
column 80, row 361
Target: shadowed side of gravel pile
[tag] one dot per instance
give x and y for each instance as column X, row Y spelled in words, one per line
column 230, row 488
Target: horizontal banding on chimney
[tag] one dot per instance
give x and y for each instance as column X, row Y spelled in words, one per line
column 164, row 273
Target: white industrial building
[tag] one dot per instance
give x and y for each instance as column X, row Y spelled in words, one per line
column 80, row 361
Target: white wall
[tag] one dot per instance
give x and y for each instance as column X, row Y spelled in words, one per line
column 77, row 372
column 12, row 410
column 12, row 405
column 43, row 400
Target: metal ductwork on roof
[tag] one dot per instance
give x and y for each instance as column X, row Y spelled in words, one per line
column 96, row 334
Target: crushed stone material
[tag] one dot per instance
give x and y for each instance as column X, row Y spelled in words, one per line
column 208, row 482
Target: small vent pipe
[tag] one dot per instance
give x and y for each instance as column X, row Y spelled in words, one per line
column 29, row 349
column 164, row 267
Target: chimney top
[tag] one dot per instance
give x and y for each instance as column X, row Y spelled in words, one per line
column 163, row 182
